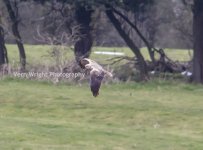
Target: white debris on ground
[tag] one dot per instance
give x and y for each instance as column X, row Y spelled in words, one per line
column 186, row 73
column 109, row 53
column 153, row 72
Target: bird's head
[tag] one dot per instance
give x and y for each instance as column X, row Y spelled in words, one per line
column 83, row 62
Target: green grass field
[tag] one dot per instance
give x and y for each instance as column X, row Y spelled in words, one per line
column 39, row 54
column 159, row 115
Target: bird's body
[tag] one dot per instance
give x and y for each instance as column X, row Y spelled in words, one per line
column 97, row 74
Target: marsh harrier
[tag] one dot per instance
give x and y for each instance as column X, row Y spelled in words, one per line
column 97, row 74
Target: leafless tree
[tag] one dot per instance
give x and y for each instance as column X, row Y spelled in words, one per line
column 12, row 8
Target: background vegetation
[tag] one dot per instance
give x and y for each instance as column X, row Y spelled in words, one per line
column 156, row 25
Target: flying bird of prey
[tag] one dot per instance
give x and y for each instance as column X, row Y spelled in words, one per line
column 97, row 74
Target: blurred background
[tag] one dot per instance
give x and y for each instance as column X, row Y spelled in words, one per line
column 153, row 36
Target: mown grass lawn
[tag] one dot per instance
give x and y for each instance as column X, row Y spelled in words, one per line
column 158, row 115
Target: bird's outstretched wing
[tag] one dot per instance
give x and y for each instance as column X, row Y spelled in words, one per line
column 97, row 74
column 90, row 64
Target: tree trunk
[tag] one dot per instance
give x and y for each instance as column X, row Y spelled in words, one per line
column 3, row 50
column 13, row 16
column 84, row 43
column 130, row 43
column 198, row 41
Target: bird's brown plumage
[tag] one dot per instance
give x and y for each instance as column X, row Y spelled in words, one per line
column 97, row 74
